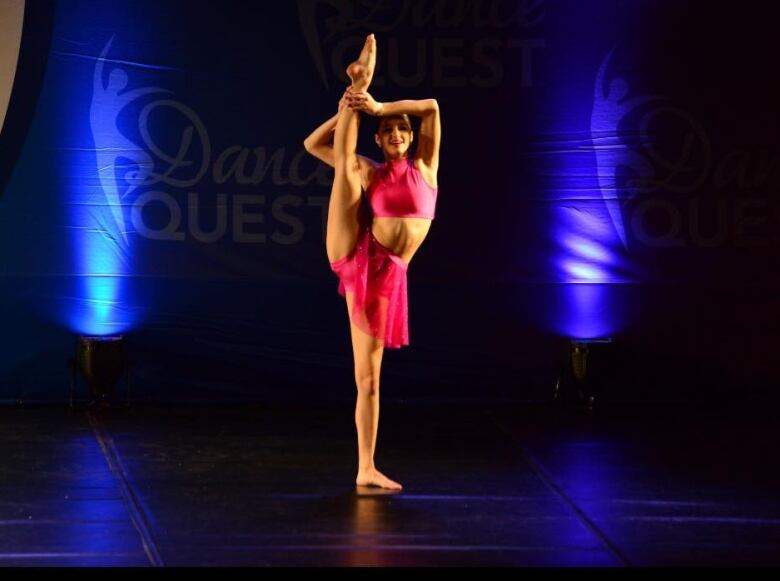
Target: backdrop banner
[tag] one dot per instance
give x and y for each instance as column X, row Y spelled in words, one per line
column 608, row 169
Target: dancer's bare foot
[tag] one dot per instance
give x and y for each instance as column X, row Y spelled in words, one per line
column 362, row 70
column 374, row 477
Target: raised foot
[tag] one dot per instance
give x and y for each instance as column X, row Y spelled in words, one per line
column 374, row 477
column 362, row 70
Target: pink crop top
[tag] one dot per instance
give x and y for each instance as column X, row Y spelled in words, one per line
column 399, row 190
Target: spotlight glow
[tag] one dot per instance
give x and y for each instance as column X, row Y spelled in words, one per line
column 583, row 272
column 587, row 249
column 111, row 167
column 587, row 184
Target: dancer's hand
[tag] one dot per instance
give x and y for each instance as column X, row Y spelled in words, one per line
column 344, row 99
column 363, row 101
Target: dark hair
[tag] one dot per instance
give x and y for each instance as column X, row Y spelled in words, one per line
column 403, row 116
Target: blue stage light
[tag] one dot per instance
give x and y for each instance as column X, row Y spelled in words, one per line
column 588, row 171
column 110, row 166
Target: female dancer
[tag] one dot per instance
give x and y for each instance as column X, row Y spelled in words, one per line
column 371, row 256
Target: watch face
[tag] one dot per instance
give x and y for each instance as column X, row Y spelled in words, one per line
column 25, row 37
column 11, row 20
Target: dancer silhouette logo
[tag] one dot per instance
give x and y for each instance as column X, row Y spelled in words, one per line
column 622, row 171
column 117, row 179
column 443, row 56
column 629, row 160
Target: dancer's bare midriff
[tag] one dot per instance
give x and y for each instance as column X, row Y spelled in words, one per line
column 402, row 236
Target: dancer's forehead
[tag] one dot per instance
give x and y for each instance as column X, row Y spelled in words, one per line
column 394, row 120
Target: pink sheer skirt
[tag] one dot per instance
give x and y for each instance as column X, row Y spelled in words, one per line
column 377, row 277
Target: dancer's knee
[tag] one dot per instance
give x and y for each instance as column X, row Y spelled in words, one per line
column 367, row 383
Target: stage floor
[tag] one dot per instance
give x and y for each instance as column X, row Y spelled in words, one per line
column 485, row 485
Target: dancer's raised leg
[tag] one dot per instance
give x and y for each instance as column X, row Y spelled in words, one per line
column 342, row 229
column 344, row 204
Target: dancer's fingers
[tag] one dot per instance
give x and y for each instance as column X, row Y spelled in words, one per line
column 356, row 93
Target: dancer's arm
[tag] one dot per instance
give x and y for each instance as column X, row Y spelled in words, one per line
column 427, row 109
column 320, row 142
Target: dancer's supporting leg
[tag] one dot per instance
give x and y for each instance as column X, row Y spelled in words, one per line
column 368, row 363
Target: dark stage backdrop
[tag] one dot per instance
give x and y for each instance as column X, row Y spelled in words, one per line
column 608, row 168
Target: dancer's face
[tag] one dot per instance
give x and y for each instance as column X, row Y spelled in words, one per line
column 394, row 137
